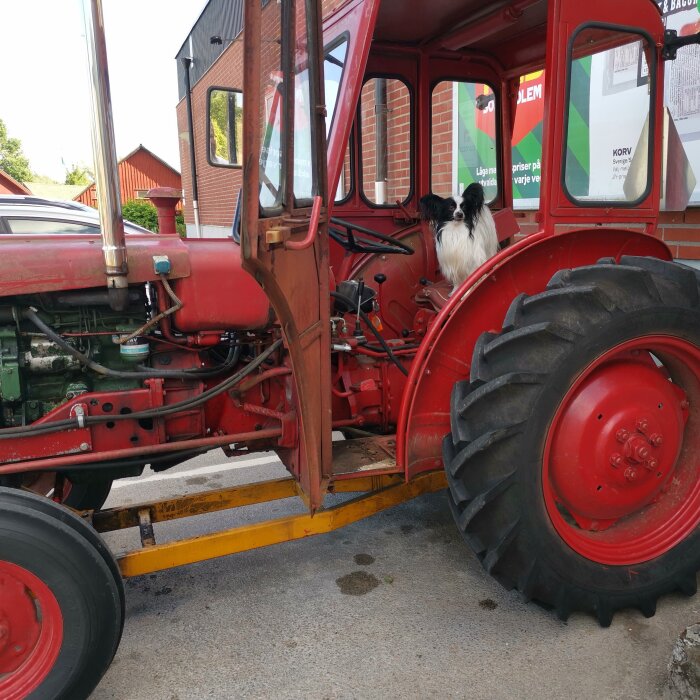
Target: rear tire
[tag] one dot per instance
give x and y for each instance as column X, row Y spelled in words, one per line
column 573, row 457
column 60, row 604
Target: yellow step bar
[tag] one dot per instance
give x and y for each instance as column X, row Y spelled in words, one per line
column 383, row 492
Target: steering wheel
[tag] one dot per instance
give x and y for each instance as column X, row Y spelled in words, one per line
column 358, row 244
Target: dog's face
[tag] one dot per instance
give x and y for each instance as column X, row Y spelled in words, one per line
column 439, row 210
column 464, row 209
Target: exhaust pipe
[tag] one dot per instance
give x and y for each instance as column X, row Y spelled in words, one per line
column 104, row 152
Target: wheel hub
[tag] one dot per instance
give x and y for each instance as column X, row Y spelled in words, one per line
column 31, row 630
column 19, row 626
column 616, row 442
column 620, row 469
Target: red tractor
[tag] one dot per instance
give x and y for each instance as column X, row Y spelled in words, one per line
column 555, row 392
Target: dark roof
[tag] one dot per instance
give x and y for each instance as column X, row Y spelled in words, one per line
column 222, row 18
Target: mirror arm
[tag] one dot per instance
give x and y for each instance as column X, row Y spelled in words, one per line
column 673, row 42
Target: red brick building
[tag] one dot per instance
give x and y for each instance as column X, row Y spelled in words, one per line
column 139, row 172
column 8, row 185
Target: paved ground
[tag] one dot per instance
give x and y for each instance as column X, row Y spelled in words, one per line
column 392, row 607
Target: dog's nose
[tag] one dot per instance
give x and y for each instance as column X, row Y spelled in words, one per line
column 459, row 214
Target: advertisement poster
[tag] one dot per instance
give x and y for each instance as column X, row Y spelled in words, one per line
column 607, row 116
column 682, row 89
column 475, row 127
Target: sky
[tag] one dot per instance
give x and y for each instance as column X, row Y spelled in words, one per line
column 44, row 93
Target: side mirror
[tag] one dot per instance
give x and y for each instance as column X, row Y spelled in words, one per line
column 224, row 127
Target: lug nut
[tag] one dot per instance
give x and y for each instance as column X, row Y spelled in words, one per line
column 630, row 474
column 657, row 439
column 622, row 434
column 643, row 425
column 616, row 459
column 652, row 464
column 641, row 453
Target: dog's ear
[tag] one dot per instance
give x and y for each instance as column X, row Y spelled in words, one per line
column 429, row 207
column 473, row 197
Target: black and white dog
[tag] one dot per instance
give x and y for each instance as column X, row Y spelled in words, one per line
column 465, row 233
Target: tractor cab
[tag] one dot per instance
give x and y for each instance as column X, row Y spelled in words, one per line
column 422, row 98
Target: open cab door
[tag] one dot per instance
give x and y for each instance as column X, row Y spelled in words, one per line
column 284, row 235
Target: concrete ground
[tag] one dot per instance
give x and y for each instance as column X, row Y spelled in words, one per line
column 395, row 606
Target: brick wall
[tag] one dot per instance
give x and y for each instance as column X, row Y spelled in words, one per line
column 398, row 140
column 441, row 135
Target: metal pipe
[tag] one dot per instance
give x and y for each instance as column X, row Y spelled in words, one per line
column 251, row 126
column 105, row 155
column 52, row 463
column 186, row 64
column 380, row 122
column 486, row 26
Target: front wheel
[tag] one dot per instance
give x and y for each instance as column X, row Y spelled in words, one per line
column 61, row 603
column 573, row 460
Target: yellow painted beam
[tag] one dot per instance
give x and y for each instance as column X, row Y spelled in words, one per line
column 285, row 529
column 224, row 499
column 195, row 504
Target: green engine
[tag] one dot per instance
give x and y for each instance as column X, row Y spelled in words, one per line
column 36, row 374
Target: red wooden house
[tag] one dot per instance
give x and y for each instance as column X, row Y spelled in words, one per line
column 139, row 172
column 8, row 185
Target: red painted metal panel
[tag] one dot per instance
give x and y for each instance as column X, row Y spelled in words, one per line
column 218, row 293
column 33, row 264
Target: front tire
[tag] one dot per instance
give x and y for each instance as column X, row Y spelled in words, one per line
column 61, row 608
column 573, row 457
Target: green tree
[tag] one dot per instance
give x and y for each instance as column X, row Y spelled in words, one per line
column 141, row 212
column 12, row 160
column 78, row 175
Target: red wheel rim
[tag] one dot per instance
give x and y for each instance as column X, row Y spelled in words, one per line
column 31, row 631
column 620, row 467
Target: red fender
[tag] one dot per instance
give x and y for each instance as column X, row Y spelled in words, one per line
column 480, row 305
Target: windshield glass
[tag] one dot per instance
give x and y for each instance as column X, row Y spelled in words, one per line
column 271, row 171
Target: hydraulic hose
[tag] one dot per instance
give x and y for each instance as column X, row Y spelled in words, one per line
column 370, row 325
column 83, row 421
column 31, row 315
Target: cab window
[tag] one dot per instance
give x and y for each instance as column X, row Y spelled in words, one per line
column 385, row 138
column 607, row 160
column 463, row 138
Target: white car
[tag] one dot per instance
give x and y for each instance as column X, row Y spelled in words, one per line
column 25, row 214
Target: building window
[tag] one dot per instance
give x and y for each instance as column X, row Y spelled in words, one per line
column 142, row 194
column 225, row 127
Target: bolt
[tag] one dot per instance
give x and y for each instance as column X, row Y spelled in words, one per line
column 84, row 447
column 657, row 439
column 630, row 474
column 616, row 459
column 643, row 425
column 622, row 435
column 641, row 453
column 652, row 464
column 78, row 410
